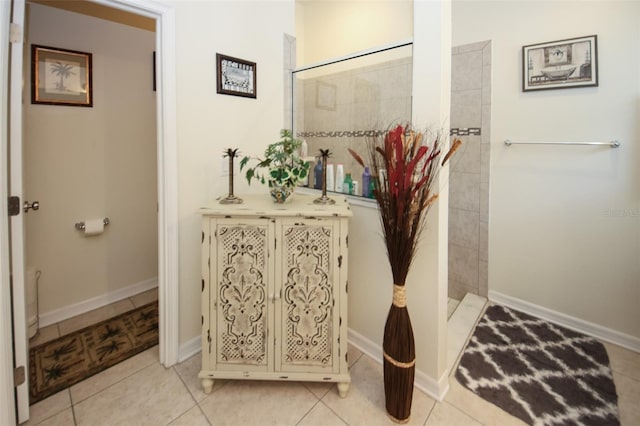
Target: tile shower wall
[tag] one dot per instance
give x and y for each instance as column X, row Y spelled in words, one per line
column 289, row 63
column 469, row 178
column 339, row 110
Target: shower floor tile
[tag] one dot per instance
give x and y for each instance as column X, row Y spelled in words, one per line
column 461, row 324
column 452, row 304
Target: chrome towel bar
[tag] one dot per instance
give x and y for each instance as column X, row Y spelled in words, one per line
column 612, row 144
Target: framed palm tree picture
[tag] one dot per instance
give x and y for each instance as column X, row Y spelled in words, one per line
column 60, row 77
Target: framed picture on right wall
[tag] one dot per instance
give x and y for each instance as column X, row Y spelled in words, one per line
column 561, row 64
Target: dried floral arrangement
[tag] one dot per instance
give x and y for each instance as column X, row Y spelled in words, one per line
column 404, row 167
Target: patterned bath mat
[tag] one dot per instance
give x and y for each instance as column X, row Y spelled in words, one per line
column 541, row 373
column 60, row 363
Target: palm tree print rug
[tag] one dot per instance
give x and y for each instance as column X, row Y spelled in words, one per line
column 537, row 371
column 60, row 363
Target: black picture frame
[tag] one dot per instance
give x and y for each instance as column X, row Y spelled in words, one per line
column 236, row 77
column 61, row 77
column 561, row 64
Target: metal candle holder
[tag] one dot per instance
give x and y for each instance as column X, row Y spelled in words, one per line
column 324, row 153
column 231, row 199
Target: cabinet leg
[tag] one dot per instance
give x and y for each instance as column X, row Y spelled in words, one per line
column 343, row 389
column 207, row 385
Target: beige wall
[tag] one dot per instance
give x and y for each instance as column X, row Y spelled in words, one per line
column 208, row 122
column 97, row 10
column 92, row 162
column 337, row 28
column 564, row 228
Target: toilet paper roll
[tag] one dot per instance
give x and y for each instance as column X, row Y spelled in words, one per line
column 93, row 227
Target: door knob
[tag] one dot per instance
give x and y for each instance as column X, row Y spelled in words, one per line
column 33, row 206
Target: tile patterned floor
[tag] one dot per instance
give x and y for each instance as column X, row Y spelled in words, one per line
column 67, row 326
column 139, row 391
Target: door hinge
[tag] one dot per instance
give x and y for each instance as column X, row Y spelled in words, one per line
column 14, row 206
column 15, row 33
column 18, row 376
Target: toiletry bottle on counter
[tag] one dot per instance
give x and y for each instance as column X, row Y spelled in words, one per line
column 355, row 187
column 366, row 183
column 330, row 181
column 339, row 178
column 304, row 149
column 347, row 186
column 317, row 175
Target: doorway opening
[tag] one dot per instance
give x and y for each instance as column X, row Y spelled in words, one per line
column 94, row 239
column 468, row 192
column 167, row 232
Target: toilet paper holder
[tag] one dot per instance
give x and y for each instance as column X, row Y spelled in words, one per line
column 80, row 225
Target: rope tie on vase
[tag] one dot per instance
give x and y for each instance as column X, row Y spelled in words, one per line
column 398, row 364
column 400, row 301
column 399, row 296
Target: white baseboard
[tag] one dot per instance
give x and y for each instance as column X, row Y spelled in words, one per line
column 434, row 388
column 366, row 346
column 573, row 323
column 66, row 312
column 189, row 348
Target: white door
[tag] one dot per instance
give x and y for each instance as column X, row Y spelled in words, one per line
column 17, row 222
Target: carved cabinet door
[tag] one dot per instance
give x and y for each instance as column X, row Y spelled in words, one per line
column 243, row 295
column 308, row 321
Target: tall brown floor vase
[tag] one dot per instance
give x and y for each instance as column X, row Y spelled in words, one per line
column 399, row 358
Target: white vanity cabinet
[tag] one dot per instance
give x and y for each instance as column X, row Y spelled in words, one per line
column 274, row 291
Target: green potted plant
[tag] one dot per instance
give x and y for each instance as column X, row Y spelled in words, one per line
column 282, row 167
